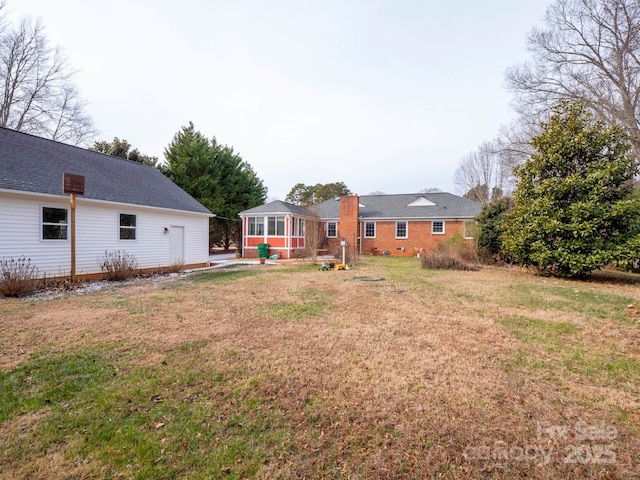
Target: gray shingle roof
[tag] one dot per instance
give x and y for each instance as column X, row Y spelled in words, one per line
column 278, row 206
column 446, row 206
column 33, row 164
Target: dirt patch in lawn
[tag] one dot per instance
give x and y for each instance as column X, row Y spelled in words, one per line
column 490, row 374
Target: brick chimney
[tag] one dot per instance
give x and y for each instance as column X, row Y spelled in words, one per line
column 349, row 212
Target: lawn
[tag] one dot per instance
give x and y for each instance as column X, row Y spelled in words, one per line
column 289, row 372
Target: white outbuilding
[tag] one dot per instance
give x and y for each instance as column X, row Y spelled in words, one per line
column 126, row 206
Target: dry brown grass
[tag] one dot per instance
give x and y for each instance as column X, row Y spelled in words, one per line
column 407, row 378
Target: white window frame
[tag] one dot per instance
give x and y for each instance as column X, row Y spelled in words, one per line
column 256, row 221
column 129, row 228
column 465, row 232
column 278, row 220
column 298, row 227
column 43, row 224
column 406, row 229
column 433, row 223
column 335, row 227
column 366, row 235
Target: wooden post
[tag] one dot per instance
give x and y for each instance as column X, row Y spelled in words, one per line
column 73, row 184
column 73, row 237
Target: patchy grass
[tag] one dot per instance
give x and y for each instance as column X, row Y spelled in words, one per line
column 309, row 303
column 223, row 275
column 289, row 372
column 578, row 298
column 531, row 330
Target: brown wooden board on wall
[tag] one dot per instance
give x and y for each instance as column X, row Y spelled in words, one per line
column 73, row 183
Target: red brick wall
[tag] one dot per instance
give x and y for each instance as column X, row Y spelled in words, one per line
column 419, row 238
column 348, row 226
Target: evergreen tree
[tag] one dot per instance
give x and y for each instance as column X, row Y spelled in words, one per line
column 122, row 149
column 217, row 177
column 574, row 206
column 490, row 222
column 190, row 164
column 241, row 189
column 307, row 195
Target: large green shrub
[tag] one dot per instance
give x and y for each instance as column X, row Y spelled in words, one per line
column 490, row 225
column 575, row 210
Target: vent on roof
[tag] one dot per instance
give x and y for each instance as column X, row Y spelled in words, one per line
column 421, row 202
column 361, row 205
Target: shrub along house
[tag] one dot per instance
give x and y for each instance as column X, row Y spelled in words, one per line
column 127, row 206
column 401, row 225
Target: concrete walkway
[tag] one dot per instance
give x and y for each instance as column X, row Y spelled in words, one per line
column 224, row 260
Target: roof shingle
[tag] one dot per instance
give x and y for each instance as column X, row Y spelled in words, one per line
column 278, row 206
column 33, row 164
column 447, row 206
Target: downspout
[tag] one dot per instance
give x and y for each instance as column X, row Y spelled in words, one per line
column 361, row 233
column 288, row 235
column 244, row 237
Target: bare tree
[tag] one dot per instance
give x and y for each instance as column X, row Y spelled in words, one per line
column 314, row 236
column 481, row 175
column 588, row 51
column 512, row 147
column 38, row 95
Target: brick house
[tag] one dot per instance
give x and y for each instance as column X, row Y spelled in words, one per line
column 399, row 225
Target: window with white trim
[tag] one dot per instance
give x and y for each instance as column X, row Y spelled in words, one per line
column 469, row 229
column 437, row 227
column 298, row 227
column 332, row 229
column 369, row 229
column 54, row 223
column 255, row 226
column 275, row 226
column 127, row 226
column 401, row 229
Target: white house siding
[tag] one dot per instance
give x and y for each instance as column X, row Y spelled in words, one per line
column 97, row 231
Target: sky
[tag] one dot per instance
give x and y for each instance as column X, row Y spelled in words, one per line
column 383, row 95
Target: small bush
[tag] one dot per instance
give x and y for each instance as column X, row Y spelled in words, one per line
column 118, row 265
column 443, row 260
column 176, row 267
column 18, row 277
column 460, row 248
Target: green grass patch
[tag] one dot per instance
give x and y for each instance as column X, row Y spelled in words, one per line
column 48, row 381
column 290, row 311
column 591, row 304
column 223, row 275
column 534, row 330
column 552, row 337
column 406, row 271
column 178, row 419
column 614, row 367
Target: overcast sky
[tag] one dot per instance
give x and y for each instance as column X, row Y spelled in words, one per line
column 382, row 95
